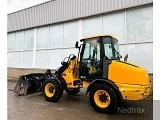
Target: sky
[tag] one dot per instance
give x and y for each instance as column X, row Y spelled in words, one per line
column 15, row 5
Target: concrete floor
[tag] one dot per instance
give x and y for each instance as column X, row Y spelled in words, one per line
column 34, row 107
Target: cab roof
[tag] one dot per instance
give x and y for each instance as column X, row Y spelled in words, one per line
column 98, row 35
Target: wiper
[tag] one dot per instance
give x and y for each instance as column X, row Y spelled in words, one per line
column 119, row 55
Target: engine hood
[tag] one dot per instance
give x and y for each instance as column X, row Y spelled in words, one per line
column 123, row 72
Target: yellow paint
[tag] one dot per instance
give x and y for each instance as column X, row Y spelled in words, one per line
column 85, row 84
column 70, row 74
column 132, row 81
column 121, row 72
column 47, row 92
column 97, row 100
column 99, row 35
column 134, row 92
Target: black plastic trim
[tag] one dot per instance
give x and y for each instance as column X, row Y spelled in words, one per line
column 127, row 63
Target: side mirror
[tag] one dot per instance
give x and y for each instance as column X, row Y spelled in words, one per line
column 76, row 45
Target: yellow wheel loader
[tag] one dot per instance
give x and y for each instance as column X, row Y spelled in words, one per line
column 99, row 69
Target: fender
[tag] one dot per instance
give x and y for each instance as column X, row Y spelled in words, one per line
column 108, row 82
column 60, row 80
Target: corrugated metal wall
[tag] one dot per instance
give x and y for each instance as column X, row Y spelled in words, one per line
column 63, row 10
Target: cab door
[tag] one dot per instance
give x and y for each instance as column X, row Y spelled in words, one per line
column 90, row 59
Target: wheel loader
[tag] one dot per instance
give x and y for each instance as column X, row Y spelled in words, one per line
column 98, row 68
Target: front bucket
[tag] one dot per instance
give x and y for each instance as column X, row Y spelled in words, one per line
column 21, row 86
column 27, row 85
column 31, row 83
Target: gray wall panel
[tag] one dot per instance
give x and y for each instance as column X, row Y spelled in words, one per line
column 63, row 10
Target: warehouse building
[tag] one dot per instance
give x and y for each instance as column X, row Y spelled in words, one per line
column 42, row 36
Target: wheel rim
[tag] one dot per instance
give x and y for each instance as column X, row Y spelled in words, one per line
column 102, row 98
column 49, row 89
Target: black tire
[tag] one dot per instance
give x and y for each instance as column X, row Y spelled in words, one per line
column 103, row 98
column 51, row 90
column 72, row 91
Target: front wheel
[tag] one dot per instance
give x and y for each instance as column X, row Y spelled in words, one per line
column 51, row 90
column 103, row 98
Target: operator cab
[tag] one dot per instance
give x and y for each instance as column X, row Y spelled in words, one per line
column 94, row 51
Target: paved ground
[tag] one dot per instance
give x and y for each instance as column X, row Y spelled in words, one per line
column 34, row 107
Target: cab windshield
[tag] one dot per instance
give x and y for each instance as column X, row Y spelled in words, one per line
column 111, row 48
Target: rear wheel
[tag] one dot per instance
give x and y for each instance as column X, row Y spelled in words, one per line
column 72, row 91
column 52, row 91
column 103, row 98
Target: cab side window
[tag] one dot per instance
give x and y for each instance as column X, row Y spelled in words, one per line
column 91, row 59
